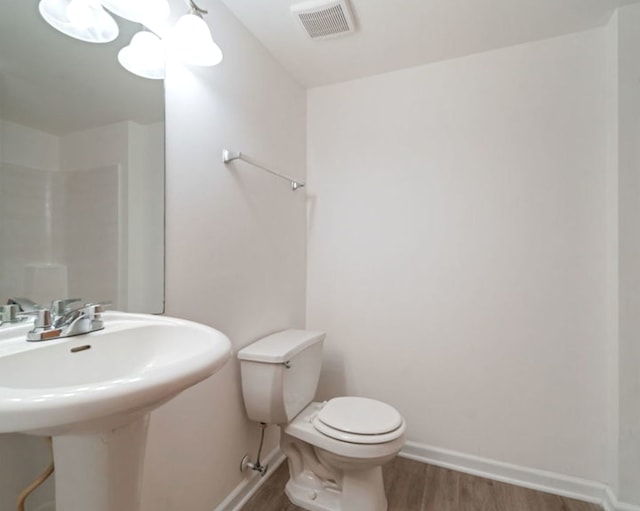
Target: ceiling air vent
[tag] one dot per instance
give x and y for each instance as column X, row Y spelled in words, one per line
column 324, row 18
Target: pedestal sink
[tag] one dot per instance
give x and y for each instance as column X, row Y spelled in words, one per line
column 93, row 394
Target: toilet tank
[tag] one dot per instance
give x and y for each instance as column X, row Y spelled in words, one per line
column 280, row 374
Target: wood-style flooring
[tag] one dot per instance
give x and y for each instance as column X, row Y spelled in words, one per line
column 414, row 486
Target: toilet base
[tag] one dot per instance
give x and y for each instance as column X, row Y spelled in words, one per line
column 362, row 490
column 313, row 499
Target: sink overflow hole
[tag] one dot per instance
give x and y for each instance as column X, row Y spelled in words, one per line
column 80, row 348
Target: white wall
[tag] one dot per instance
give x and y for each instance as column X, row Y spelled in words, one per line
column 457, row 249
column 145, row 223
column 629, row 269
column 235, row 252
column 28, row 147
column 613, row 415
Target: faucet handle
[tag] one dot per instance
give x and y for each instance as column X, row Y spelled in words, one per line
column 9, row 313
column 95, row 309
column 43, row 319
column 60, row 307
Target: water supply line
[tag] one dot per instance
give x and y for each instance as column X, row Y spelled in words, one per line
column 38, row 481
column 257, row 466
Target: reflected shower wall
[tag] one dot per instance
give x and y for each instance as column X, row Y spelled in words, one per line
column 82, row 215
column 93, row 243
column 59, row 233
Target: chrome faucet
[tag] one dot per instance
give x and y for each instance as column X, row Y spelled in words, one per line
column 84, row 319
column 60, row 321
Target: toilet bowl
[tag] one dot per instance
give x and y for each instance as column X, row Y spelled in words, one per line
column 335, row 449
column 330, row 473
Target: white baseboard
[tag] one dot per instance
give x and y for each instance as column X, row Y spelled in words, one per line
column 534, row 479
column 245, row 490
column 611, row 503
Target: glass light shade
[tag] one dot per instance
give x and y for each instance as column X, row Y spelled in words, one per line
column 192, row 41
column 80, row 14
column 144, row 56
column 81, row 19
column 139, row 10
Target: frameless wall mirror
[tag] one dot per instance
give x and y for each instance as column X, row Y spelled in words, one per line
column 81, row 168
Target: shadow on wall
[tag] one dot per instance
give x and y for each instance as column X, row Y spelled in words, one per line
column 333, row 381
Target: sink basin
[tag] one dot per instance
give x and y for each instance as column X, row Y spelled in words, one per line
column 138, row 361
column 93, row 394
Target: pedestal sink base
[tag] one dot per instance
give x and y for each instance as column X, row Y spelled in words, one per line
column 100, row 471
column 93, row 393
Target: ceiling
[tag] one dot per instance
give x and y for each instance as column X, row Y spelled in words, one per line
column 60, row 85
column 395, row 34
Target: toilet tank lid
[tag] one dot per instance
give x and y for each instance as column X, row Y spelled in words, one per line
column 280, row 347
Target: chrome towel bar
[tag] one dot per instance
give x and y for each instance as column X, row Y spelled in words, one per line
column 229, row 156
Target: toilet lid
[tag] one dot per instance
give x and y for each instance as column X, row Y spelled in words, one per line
column 359, row 416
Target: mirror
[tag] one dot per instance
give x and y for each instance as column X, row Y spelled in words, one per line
column 81, row 168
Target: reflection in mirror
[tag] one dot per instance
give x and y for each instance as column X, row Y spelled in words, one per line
column 81, row 168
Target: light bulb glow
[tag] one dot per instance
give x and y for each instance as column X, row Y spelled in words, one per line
column 192, row 41
column 144, row 56
column 80, row 14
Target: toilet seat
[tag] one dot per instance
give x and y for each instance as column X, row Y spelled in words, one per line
column 359, row 420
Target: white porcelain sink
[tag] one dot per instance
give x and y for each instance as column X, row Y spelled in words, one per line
column 93, row 394
column 137, row 361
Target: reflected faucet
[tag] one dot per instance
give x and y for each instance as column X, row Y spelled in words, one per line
column 24, row 304
column 10, row 314
column 17, row 310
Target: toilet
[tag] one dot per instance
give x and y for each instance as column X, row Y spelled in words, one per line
column 335, row 449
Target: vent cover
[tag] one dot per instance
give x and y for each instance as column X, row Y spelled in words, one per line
column 324, row 18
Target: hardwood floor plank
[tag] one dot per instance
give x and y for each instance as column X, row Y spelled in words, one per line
column 404, row 484
column 271, row 496
column 540, row 500
column 440, row 489
column 476, row 494
column 510, row 497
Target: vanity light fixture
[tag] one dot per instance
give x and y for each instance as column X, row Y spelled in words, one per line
column 192, row 41
column 144, row 56
column 88, row 21
column 81, row 19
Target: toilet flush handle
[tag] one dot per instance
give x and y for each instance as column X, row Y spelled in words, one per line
column 287, row 364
